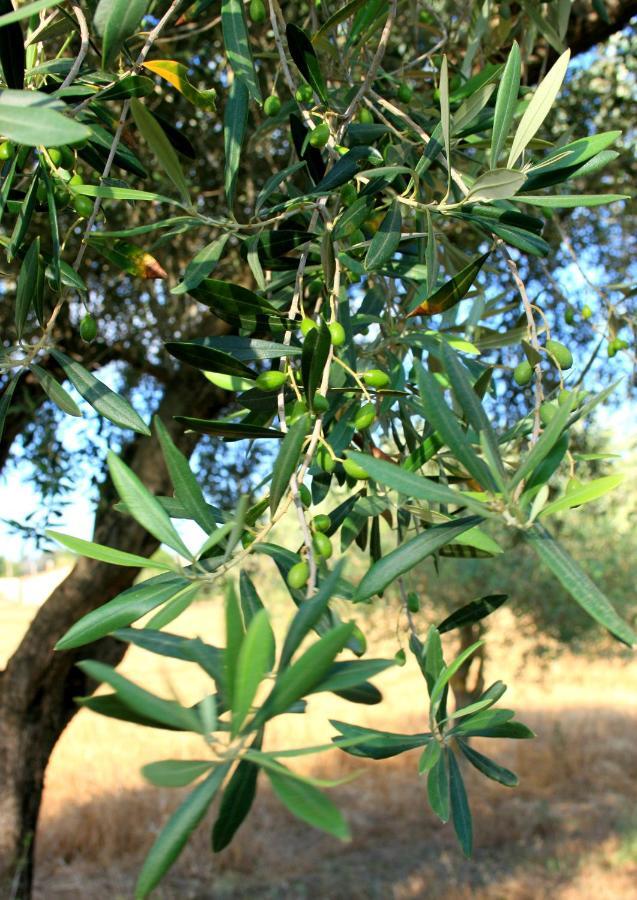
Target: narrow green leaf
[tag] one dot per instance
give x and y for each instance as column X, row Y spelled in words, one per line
column 25, row 116
column 120, row 612
column 27, row 10
column 309, row 613
column 202, row 265
column 105, row 554
column 309, row 804
column 445, row 423
column 5, row 401
column 438, row 787
column 101, row 398
column 570, row 201
column 429, row 757
column 445, row 116
column 155, row 137
column 237, row 800
column 575, row 580
column 234, row 127
column 545, row 443
column 460, row 811
column 505, row 103
column 143, row 506
column 115, row 21
column 175, row 772
column 114, row 192
column 253, row 663
column 287, row 460
column 176, row 832
column 187, row 490
column 232, row 431
column 449, row 671
column 386, row 240
column 584, row 494
column 309, row 670
column 452, row 291
column 175, row 606
column 418, row 486
column 25, row 213
column 27, row 285
column 316, row 349
column 306, row 60
column 409, row 554
column 236, row 42
column 352, row 673
column 380, row 744
column 235, row 633
column 539, row 107
column 498, row 184
column 472, row 612
column 488, row 767
column 55, row 392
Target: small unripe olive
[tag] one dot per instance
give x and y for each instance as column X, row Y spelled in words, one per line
column 320, row 403
column 561, row 354
column 523, row 372
column 307, row 325
column 7, row 150
column 573, row 484
column 304, row 93
column 337, row 334
column 365, row 416
column 320, row 135
column 321, row 522
column 298, row 575
column 325, row 460
column 55, row 155
column 376, row 378
column 41, row 192
column 569, row 315
column 322, row 545
column 272, row 105
column 305, row 495
column 88, row 329
column 257, row 11
column 76, row 179
column 587, row 312
column 365, row 116
column 348, row 194
column 413, row 603
column 270, row 381
column 424, row 17
column 355, row 471
column 399, row 657
column 548, row 411
column 405, row 93
column 68, row 157
column 83, row 206
column 565, row 395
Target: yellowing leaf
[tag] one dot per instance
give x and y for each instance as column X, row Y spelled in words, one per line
column 177, row 75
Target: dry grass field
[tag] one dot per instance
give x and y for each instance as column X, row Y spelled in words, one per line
column 569, row 831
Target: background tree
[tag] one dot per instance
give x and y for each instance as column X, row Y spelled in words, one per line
column 395, row 97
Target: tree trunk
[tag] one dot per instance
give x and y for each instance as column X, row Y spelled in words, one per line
column 38, row 685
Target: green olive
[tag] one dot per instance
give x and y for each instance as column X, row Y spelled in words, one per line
column 305, row 495
column 257, row 11
column 322, row 522
column 322, row 545
column 405, row 93
column 337, row 334
column 55, row 155
column 548, row 411
column 304, row 93
column 271, row 381
column 68, row 157
column 320, row 135
column 366, row 116
column 325, row 460
column 413, row 603
column 399, row 657
column 424, row 17
column 523, row 372
column 88, row 329
column 83, row 206
column 320, row 403
column 7, row 150
column 41, row 192
column 298, row 575
column 272, row 105
column 587, row 312
column 365, row 416
column 348, row 194
column 76, row 179
column 307, row 325
column 355, row 471
column 573, row 484
column 561, row 354
column 569, row 315
column 376, row 378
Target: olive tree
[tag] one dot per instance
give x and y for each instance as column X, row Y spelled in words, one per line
column 355, row 305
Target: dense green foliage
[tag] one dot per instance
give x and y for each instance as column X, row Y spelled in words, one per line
column 406, row 171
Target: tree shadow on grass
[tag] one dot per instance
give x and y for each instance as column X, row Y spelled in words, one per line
column 557, row 835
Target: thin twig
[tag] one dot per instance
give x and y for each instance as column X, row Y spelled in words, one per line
column 85, row 41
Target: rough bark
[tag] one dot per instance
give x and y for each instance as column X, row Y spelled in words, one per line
column 38, row 685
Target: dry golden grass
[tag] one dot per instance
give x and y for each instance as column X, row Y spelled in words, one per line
column 569, row 831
